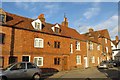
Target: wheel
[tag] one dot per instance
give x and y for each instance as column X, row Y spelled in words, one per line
column 4, row 78
column 36, row 77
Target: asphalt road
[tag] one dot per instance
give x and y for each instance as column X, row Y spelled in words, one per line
column 113, row 73
column 89, row 74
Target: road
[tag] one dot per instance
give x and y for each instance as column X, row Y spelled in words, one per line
column 112, row 73
column 90, row 74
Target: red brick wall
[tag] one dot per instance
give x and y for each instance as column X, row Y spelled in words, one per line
column 6, row 46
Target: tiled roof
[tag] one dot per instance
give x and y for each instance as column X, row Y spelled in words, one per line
column 115, row 43
column 23, row 22
column 95, row 35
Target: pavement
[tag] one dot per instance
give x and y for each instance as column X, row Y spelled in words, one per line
column 80, row 73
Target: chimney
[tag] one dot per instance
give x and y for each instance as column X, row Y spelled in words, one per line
column 91, row 30
column 41, row 17
column 65, row 22
column 117, row 39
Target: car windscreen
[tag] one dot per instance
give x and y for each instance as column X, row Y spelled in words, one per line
column 7, row 67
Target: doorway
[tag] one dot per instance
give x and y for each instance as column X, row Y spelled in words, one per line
column 65, row 63
column 85, row 62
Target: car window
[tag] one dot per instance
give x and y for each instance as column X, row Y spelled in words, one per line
column 18, row 66
column 30, row 65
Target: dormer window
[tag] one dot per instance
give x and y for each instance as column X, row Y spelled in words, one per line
column 77, row 45
column 2, row 18
column 56, row 28
column 37, row 25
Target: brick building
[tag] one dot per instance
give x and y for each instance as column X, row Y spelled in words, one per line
column 99, row 46
column 48, row 45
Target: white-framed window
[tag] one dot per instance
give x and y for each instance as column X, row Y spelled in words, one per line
column 91, row 46
column 78, row 59
column 107, row 49
column 93, row 59
column 71, row 48
column 105, row 40
column 77, row 45
column 98, row 47
column 38, row 61
column 37, row 25
column 26, row 58
column 38, row 43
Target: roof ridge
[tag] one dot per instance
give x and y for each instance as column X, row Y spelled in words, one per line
column 19, row 15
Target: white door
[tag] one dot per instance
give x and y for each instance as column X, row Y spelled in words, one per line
column 85, row 62
column 98, row 60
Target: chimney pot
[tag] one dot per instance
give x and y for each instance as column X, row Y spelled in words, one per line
column 117, row 39
column 41, row 17
column 91, row 30
column 65, row 22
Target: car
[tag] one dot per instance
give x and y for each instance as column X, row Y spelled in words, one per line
column 105, row 65
column 115, row 63
column 21, row 70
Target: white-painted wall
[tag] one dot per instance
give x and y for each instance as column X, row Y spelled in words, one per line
column 114, row 52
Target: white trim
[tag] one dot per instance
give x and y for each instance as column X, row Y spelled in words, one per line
column 78, row 57
column 71, row 48
column 56, row 26
column 85, row 62
column 98, row 60
column 26, row 55
column 37, row 41
column 105, row 40
column 37, row 61
column 78, row 45
column 93, row 59
column 34, row 24
column 98, row 47
column 107, row 49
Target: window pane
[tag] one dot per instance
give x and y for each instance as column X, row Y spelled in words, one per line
column 22, row 66
column 29, row 66
column 25, row 58
column 39, row 61
column 38, row 43
column 2, row 17
column 35, row 61
column 56, row 61
column 2, row 36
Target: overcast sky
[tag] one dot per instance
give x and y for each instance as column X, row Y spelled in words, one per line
column 81, row 15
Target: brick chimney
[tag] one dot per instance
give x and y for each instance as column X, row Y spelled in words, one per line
column 65, row 22
column 117, row 39
column 91, row 29
column 41, row 17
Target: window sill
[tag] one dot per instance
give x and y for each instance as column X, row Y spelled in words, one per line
column 79, row 64
column 39, row 47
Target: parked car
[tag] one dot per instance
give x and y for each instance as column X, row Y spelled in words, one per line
column 21, row 70
column 115, row 63
column 105, row 65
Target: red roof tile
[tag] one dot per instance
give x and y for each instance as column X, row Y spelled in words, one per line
column 23, row 22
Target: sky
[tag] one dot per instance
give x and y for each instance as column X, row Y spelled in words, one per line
column 81, row 15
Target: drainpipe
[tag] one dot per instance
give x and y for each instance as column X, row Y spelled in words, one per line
column 87, row 54
column 12, row 46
